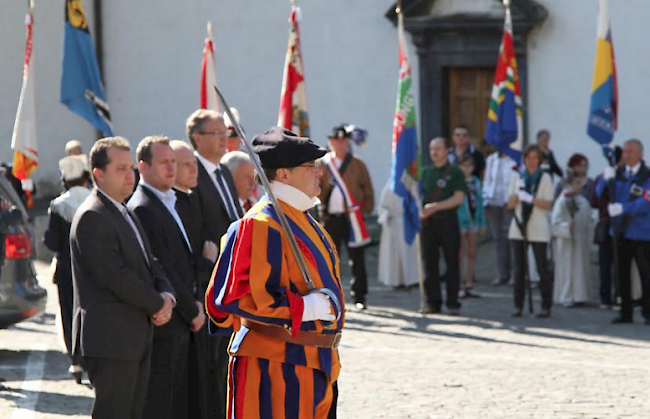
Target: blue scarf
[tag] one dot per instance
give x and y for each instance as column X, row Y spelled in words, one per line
column 531, row 180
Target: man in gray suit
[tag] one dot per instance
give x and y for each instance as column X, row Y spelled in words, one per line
column 120, row 291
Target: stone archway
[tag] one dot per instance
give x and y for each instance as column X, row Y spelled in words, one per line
column 461, row 34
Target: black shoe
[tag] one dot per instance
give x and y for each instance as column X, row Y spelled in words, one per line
column 544, row 314
column 427, row 309
column 360, row 305
column 517, row 312
column 76, row 372
column 621, row 320
column 453, row 311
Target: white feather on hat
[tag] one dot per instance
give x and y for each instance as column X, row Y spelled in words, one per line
column 226, row 118
column 73, row 167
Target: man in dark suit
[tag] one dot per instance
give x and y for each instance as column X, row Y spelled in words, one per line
column 205, row 255
column 217, row 198
column 154, row 203
column 120, row 291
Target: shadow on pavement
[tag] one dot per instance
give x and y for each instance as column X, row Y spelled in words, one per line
column 50, row 403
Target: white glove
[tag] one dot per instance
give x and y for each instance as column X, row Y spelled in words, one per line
column 615, row 210
column 382, row 218
column 609, row 173
column 27, row 185
column 525, row 197
column 317, row 307
column 520, row 184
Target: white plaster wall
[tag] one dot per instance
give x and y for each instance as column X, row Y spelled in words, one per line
column 561, row 59
column 56, row 124
column 153, row 56
column 152, row 59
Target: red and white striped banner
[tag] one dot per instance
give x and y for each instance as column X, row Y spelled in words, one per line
column 358, row 232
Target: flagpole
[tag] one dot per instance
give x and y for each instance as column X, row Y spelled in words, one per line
column 418, row 240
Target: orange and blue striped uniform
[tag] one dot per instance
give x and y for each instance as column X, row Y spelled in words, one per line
column 257, row 278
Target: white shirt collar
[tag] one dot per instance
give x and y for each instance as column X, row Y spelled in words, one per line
column 294, row 197
column 169, row 196
column 119, row 205
column 634, row 169
column 207, row 164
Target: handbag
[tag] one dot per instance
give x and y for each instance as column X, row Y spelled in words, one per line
column 601, row 232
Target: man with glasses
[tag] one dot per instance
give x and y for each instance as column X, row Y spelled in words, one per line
column 463, row 146
column 217, row 195
column 346, row 196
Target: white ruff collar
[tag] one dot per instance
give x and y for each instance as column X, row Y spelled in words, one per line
column 292, row 196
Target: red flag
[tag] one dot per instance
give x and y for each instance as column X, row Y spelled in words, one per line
column 23, row 141
column 293, row 113
column 209, row 98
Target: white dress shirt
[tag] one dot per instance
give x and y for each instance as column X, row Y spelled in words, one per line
column 498, row 173
column 336, row 203
column 630, row 172
column 224, row 194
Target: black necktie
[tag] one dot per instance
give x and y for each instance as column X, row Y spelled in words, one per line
column 226, row 196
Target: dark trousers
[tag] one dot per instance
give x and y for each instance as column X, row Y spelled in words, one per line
column 338, row 227
column 166, row 398
column 606, row 265
column 640, row 251
column 521, row 264
column 208, row 391
column 64, row 286
column 120, row 386
column 441, row 232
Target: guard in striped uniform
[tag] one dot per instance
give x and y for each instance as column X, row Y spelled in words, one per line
column 284, row 359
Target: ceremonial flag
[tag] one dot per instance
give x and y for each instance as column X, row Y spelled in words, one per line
column 405, row 176
column 209, row 98
column 293, row 99
column 603, row 112
column 505, row 114
column 81, row 84
column 23, row 141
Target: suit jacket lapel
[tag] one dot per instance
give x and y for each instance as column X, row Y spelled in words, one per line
column 230, row 182
column 127, row 230
column 214, row 194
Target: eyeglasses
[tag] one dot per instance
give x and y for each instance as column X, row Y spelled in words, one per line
column 311, row 166
column 215, row 133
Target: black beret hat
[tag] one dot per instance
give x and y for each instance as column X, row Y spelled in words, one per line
column 339, row 131
column 280, row 148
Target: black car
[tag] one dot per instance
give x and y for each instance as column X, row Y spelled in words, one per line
column 20, row 295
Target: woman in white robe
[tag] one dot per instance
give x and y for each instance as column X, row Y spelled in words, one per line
column 398, row 262
column 571, row 226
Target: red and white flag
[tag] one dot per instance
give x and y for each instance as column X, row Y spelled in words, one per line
column 209, row 98
column 293, row 113
column 23, row 141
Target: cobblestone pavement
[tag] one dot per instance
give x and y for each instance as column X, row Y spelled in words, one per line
column 398, row 364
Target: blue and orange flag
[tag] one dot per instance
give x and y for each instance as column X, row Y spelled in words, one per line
column 505, row 115
column 405, row 176
column 603, row 112
column 81, row 84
